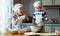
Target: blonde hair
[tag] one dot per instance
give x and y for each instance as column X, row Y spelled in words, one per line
column 15, row 13
column 37, row 4
column 17, row 6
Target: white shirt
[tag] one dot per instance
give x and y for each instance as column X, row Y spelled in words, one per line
column 38, row 18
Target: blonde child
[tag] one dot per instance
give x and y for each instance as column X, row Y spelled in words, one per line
column 39, row 17
column 18, row 17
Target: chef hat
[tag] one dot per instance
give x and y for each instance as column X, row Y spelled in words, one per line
column 17, row 6
column 37, row 3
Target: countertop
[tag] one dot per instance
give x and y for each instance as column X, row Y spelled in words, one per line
column 27, row 34
column 29, row 24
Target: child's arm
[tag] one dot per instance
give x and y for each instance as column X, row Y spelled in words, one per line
column 25, row 17
column 45, row 17
column 33, row 22
column 14, row 21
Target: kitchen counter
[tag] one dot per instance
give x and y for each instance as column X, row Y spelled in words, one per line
column 28, row 34
column 52, row 24
column 31, row 34
column 48, row 27
column 9, row 34
column 29, row 24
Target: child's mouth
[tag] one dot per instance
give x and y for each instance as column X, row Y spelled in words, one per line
column 20, row 12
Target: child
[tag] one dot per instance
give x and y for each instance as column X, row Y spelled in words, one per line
column 18, row 17
column 39, row 17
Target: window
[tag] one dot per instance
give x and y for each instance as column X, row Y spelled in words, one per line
column 5, row 14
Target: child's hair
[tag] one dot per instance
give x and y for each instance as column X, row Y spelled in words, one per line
column 37, row 3
column 16, row 7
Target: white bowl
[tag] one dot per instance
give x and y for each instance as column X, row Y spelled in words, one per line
column 34, row 28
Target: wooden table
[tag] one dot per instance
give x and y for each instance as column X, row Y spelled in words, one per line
column 30, row 34
column 12, row 35
column 40, row 34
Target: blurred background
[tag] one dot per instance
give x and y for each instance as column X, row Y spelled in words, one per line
column 52, row 8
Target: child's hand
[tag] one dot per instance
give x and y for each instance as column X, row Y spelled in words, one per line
column 23, row 17
column 46, row 19
column 33, row 23
column 19, row 18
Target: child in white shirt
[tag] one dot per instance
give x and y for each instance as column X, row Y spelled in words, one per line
column 39, row 17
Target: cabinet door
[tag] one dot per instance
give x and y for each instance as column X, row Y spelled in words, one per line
column 47, row 2
column 57, row 2
column 47, row 29
column 57, row 28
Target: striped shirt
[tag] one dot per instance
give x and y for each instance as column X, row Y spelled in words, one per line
column 39, row 17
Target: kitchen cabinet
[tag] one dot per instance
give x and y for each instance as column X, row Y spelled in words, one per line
column 47, row 29
column 47, row 2
column 57, row 28
column 57, row 2
column 52, row 27
column 51, row 2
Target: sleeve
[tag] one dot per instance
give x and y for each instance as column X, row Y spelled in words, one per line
column 34, row 17
column 44, row 15
column 15, row 17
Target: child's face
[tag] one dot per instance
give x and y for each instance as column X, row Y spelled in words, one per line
column 20, row 11
column 38, row 8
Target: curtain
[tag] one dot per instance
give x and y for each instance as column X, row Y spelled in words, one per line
column 5, row 14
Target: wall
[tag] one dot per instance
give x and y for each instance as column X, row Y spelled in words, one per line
column 51, row 12
column 16, row 1
column 28, row 5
